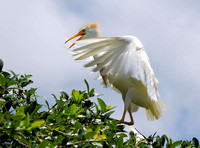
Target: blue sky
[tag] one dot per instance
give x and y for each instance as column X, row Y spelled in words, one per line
column 32, row 36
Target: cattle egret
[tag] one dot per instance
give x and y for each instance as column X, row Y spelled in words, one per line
column 123, row 64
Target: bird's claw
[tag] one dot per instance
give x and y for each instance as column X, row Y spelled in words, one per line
column 124, row 122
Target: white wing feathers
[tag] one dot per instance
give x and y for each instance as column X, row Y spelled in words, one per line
column 120, row 56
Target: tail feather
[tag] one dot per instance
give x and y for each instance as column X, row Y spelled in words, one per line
column 156, row 111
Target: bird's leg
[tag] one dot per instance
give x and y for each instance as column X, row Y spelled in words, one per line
column 123, row 117
column 131, row 117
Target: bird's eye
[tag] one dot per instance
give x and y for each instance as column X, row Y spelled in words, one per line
column 83, row 30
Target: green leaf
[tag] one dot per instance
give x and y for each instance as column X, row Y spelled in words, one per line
column 195, row 142
column 37, row 123
column 88, row 113
column 80, row 97
column 97, row 109
column 91, row 93
column 184, row 144
column 177, row 143
column 110, row 107
column 31, row 107
column 20, row 111
column 45, row 144
column 122, row 135
column 17, row 120
column 28, row 76
column 81, row 134
column 144, row 146
column 111, row 126
column 114, row 123
column 1, row 65
column 77, row 126
column 88, row 88
column 27, row 120
column 2, row 100
column 36, row 109
column 6, row 75
column 55, row 98
column 11, row 82
column 89, row 135
column 59, row 118
column 86, row 145
column 119, row 142
column 107, row 115
column 32, row 91
column 102, row 105
column 163, row 138
column 47, row 103
column 59, row 139
column 2, row 80
column 88, row 130
column 64, row 94
column 51, row 117
column 14, row 74
column 73, row 109
column 77, row 97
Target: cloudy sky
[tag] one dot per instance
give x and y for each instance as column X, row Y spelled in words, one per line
column 32, row 36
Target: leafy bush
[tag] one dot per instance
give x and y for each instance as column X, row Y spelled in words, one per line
column 73, row 121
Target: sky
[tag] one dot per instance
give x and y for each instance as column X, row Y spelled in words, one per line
column 32, row 36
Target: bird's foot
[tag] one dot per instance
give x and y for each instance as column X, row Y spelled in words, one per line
column 124, row 122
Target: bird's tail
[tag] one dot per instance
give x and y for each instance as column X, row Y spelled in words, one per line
column 156, row 111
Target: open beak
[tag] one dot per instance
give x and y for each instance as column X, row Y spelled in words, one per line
column 80, row 33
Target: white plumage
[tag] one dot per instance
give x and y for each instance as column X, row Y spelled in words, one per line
column 124, row 65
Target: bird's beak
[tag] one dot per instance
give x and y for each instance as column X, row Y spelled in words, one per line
column 80, row 33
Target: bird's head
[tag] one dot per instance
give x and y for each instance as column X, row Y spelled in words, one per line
column 87, row 31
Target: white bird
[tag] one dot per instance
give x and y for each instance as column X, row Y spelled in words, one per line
column 124, row 65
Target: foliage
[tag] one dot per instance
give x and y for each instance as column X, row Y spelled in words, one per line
column 73, row 121
column 1, row 65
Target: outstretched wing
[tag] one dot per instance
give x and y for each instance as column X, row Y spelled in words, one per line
column 120, row 56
